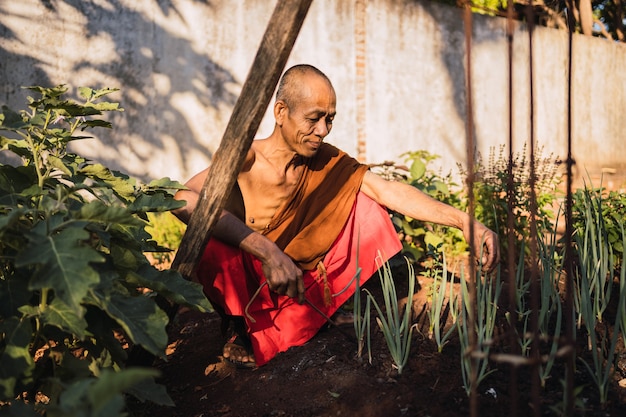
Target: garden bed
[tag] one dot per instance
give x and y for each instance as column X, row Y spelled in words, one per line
column 325, row 378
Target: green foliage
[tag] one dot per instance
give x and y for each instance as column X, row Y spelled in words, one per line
column 594, row 281
column 423, row 241
column 598, row 219
column 491, row 200
column 395, row 324
column 420, row 239
column 480, row 318
column 167, row 230
column 607, row 208
column 362, row 327
column 441, row 288
column 608, row 15
column 75, row 286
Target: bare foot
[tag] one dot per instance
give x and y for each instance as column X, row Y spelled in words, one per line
column 239, row 352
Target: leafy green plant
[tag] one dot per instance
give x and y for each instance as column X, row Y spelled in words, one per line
column 418, row 236
column 610, row 206
column 76, row 290
column 550, row 304
column 490, row 194
column 594, row 281
column 595, row 256
column 167, row 230
column 396, row 325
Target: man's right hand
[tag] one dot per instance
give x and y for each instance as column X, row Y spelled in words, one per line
column 282, row 274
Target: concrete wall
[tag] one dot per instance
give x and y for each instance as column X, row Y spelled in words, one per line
column 398, row 67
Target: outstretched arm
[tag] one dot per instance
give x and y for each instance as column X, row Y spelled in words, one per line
column 410, row 201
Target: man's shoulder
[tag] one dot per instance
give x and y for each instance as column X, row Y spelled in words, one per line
column 327, row 150
column 329, row 156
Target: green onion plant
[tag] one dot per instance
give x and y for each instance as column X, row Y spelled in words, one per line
column 596, row 255
column 396, row 325
column 361, row 321
column 488, row 290
column 595, row 279
column 436, row 312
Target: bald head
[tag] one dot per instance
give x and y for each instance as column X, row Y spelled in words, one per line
column 290, row 87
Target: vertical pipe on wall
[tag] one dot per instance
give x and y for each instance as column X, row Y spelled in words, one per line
column 360, row 43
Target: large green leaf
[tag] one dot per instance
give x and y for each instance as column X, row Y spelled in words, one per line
column 418, row 169
column 63, row 265
column 172, row 285
column 167, row 183
column 155, row 202
column 60, row 315
column 100, row 212
column 91, row 94
column 16, row 364
column 14, row 180
column 140, row 318
column 10, row 120
column 122, row 185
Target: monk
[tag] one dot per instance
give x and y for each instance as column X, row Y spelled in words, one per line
column 304, row 221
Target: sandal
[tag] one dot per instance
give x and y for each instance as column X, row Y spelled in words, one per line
column 241, row 344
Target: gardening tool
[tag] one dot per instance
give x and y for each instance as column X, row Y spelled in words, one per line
column 309, row 303
column 330, row 321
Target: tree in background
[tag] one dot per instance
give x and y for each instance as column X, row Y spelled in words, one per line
column 600, row 18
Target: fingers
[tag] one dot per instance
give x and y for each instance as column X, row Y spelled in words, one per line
column 288, row 283
column 300, row 290
column 296, row 287
column 491, row 253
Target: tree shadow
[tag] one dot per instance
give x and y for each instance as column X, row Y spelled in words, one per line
column 138, row 64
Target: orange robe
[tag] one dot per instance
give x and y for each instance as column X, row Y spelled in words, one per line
column 339, row 227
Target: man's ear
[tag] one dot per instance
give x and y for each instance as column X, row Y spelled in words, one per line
column 280, row 112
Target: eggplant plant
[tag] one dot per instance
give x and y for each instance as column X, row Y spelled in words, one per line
column 76, row 290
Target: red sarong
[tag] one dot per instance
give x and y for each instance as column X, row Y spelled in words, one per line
column 230, row 278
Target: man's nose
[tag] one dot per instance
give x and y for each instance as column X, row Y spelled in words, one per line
column 321, row 128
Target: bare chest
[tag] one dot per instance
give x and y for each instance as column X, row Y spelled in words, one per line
column 265, row 190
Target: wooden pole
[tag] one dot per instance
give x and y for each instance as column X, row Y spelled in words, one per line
column 280, row 35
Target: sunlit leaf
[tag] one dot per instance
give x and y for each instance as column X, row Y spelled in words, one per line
column 100, row 212
column 418, row 168
column 154, row 203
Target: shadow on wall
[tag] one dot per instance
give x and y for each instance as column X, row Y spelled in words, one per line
column 454, row 58
column 128, row 50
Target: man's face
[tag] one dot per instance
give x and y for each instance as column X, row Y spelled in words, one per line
column 309, row 121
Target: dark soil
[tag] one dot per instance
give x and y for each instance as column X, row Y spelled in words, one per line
column 325, row 378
